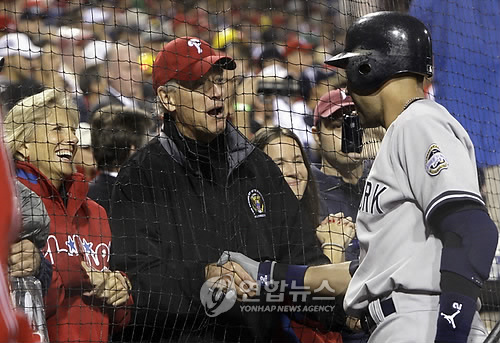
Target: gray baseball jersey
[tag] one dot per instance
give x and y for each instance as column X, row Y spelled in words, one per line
column 425, row 160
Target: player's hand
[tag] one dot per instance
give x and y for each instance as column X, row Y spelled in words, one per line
column 112, row 287
column 24, row 259
column 335, row 233
column 233, row 276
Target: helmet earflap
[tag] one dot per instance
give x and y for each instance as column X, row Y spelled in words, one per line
column 366, row 73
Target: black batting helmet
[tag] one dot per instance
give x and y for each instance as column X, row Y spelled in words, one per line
column 381, row 45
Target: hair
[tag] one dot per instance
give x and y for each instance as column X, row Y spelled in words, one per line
column 114, row 130
column 19, row 124
column 310, row 200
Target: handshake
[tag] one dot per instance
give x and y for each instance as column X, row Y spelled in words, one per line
column 266, row 273
column 248, row 277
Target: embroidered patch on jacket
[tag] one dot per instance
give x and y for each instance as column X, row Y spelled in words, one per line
column 435, row 161
column 256, row 203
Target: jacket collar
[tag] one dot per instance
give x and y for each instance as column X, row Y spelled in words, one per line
column 76, row 186
column 238, row 147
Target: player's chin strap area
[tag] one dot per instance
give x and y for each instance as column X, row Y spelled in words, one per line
column 469, row 241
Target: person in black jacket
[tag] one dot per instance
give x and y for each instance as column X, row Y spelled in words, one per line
column 197, row 189
column 116, row 133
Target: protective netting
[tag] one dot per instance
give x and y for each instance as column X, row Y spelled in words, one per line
column 86, row 117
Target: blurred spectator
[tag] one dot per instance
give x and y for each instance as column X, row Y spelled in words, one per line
column 117, row 132
column 271, row 56
column 7, row 24
column 100, row 20
column 232, row 42
column 95, row 52
column 94, row 86
column 247, row 111
column 84, row 157
column 113, row 76
column 22, row 59
column 316, row 81
column 85, row 298
column 124, row 75
column 153, row 39
column 241, row 83
column 152, row 42
column 32, row 22
column 193, row 23
column 133, row 22
column 299, row 56
column 68, row 45
column 279, row 92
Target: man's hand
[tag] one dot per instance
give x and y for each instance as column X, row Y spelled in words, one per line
column 110, row 286
column 24, row 259
column 232, row 275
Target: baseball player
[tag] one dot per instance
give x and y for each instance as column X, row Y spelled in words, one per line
column 426, row 239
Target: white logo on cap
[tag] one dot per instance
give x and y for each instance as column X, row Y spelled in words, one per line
column 344, row 96
column 196, row 43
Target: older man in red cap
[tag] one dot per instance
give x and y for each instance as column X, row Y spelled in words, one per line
column 197, row 189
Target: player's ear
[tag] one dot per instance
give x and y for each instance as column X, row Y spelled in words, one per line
column 167, row 99
column 316, row 134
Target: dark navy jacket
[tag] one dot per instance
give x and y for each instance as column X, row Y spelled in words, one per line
column 175, row 211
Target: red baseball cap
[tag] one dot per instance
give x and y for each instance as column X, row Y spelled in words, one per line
column 330, row 103
column 187, row 59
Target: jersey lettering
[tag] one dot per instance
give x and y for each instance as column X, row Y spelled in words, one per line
column 371, row 198
column 363, row 205
column 97, row 257
column 375, row 198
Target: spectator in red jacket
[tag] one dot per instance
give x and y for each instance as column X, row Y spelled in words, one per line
column 85, row 299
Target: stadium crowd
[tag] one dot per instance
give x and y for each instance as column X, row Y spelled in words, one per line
column 141, row 165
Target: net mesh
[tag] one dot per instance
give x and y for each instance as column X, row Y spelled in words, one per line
column 81, row 106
